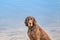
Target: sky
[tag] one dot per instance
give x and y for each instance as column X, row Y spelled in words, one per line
column 14, row 12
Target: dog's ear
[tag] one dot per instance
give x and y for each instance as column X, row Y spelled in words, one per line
column 34, row 21
column 26, row 22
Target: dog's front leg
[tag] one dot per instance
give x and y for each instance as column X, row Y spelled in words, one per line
column 30, row 36
column 37, row 34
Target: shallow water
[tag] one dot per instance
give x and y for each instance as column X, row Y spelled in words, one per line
column 12, row 30
column 21, row 33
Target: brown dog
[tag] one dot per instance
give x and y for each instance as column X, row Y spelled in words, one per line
column 34, row 31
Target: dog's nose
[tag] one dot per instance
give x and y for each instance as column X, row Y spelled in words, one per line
column 30, row 23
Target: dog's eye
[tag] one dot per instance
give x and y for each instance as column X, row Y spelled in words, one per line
column 28, row 19
column 31, row 18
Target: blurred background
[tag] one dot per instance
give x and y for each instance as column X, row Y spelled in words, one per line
column 14, row 12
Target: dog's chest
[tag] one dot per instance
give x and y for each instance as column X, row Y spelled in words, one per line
column 32, row 33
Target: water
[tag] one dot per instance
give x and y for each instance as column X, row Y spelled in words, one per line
column 15, row 31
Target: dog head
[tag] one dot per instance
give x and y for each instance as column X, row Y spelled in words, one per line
column 30, row 21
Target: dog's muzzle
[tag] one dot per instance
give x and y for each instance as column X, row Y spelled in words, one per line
column 30, row 23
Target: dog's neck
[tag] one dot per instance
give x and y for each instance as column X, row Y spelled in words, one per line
column 32, row 28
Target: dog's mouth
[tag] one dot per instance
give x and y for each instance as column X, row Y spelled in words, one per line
column 30, row 24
